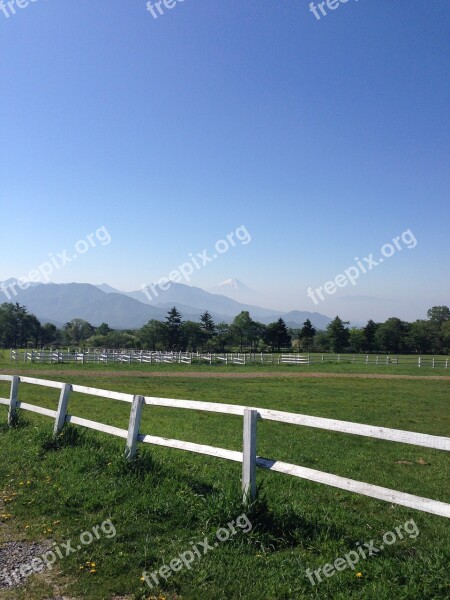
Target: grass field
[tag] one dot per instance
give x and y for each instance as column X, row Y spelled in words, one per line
column 345, row 366
column 167, row 499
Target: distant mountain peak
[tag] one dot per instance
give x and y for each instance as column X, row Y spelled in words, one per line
column 131, row 310
column 233, row 284
column 107, row 289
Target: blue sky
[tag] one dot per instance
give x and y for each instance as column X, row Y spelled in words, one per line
column 324, row 138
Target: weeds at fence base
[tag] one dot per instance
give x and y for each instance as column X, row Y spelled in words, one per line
column 18, row 421
column 139, row 466
column 69, row 436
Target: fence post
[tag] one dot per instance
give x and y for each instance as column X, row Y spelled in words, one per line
column 62, row 408
column 13, row 399
column 249, row 455
column 133, row 427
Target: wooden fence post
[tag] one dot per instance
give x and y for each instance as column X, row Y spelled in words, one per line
column 13, row 399
column 133, row 428
column 62, row 408
column 249, row 455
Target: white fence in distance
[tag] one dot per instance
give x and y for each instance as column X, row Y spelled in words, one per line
column 106, row 356
column 248, row 457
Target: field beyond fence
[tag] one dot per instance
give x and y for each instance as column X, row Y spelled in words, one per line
column 93, row 356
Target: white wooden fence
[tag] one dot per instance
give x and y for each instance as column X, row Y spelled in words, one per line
column 248, row 457
column 106, row 356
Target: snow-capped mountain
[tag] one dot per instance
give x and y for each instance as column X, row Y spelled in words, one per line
column 233, row 284
column 235, row 289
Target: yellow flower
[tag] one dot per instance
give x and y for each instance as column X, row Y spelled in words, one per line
column 93, row 571
column 359, row 575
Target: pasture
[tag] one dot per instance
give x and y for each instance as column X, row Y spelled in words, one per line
column 167, row 498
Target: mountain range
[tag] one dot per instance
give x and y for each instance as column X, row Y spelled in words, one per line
column 60, row 303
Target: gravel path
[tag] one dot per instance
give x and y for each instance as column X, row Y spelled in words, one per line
column 15, row 554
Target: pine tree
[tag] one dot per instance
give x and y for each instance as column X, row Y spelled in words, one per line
column 174, row 323
column 369, row 335
column 306, row 335
column 208, row 327
column 338, row 334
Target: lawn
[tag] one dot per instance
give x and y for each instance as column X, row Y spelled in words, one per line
column 167, row 498
column 344, row 366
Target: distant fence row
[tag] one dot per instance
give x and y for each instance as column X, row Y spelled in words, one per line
column 79, row 356
column 248, row 457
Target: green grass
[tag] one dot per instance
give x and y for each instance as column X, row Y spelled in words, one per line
column 168, row 498
column 345, row 366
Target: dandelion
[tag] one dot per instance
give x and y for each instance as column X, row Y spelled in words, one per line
column 359, row 574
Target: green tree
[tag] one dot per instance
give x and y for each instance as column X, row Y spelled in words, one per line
column 438, row 316
column 154, row 335
column 321, row 342
column 391, row 335
column 277, row 335
column 356, row 339
column 338, row 334
column 77, row 331
column 103, row 329
column 256, row 334
column 222, row 336
column 174, row 322
column 241, row 329
column 32, row 330
column 369, row 335
column 17, row 326
column 306, row 335
column 446, row 337
column 208, row 327
column 50, row 334
column 193, row 336
column 420, row 337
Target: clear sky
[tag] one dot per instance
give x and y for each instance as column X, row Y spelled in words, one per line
column 324, row 138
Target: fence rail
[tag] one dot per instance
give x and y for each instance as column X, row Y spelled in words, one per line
column 79, row 356
column 248, row 457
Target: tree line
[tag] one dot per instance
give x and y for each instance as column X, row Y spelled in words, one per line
column 20, row 329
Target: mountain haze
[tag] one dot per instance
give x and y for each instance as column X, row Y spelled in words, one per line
column 60, row 303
